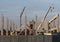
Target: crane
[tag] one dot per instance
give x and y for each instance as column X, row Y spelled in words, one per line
column 50, row 8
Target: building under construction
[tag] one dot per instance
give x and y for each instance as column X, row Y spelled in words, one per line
column 33, row 29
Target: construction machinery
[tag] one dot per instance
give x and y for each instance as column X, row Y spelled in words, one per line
column 49, row 9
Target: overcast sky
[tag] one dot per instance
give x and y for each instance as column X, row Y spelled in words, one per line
column 13, row 8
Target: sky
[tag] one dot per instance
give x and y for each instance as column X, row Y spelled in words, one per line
column 13, row 8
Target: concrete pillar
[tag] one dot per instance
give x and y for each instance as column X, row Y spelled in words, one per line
column 36, row 23
column 16, row 30
column 15, row 33
column 2, row 25
column 11, row 26
column 25, row 25
column 7, row 24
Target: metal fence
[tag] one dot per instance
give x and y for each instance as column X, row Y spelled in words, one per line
column 40, row 38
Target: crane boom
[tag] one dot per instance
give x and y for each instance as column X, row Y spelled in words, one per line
column 21, row 15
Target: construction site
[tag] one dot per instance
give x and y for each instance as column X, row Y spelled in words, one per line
column 42, row 31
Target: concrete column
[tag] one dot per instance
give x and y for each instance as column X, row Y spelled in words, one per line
column 15, row 33
column 2, row 25
column 36, row 23
column 7, row 24
column 16, row 30
column 10, row 26
column 25, row 25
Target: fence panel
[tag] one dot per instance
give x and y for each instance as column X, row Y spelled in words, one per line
column 40, row 38
column 14, row 38
column 22, row 39
column 5, row 38
column 47, row 38
column 0, row 38
column 29, row 39
column 33, row 38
